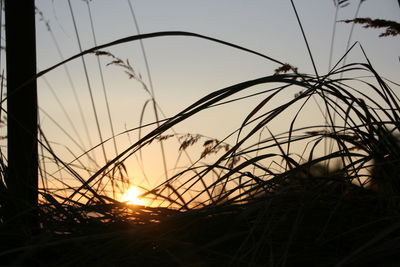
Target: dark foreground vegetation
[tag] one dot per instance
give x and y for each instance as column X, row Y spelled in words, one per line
column 305, row 213
column 292, row 228
column 259, row 203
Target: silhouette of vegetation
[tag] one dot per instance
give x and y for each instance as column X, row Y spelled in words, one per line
column 392, row 27
column 256, row 202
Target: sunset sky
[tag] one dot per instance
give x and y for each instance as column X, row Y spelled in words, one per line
column 184, row 69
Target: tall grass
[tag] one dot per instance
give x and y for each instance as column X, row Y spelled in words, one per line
column 266, row 199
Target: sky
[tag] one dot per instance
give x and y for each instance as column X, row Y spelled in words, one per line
column 184, row 69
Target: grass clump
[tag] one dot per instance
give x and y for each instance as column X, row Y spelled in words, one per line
column 259, row 204
column 315, row 195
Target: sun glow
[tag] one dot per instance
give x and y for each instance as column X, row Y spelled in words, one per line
column 131, row 196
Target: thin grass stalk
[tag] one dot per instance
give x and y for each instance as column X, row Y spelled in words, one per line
column 153, row 96
column 327, row 113
column 185, row 152
column 70, row 81
column 102, row 80
column 1, row 92
column 305, row 39
column 88, row 84
column 85, row 153
column 292, row 124
column 352, row 29
column 42, row 163
column 73, row 172
column 61, row 105
column 330, row 57
column 105, row 96
column 347, row 47
column 92, row 160
column 309, row 50
column 333, row 37
column 77, row 163
column 153, row 35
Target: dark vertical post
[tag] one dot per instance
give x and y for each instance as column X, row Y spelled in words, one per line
column 22, row 178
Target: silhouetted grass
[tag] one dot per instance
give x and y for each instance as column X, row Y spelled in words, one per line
column 260, row 202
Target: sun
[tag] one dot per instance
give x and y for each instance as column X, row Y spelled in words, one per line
column 131, row 196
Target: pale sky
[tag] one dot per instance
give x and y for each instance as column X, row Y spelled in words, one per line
column 184, row 69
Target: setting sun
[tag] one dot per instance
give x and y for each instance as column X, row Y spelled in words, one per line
column 131, row 196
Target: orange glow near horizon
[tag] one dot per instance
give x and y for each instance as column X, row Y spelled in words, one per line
column 131, row 196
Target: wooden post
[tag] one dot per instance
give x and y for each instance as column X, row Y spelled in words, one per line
column 22, row 177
